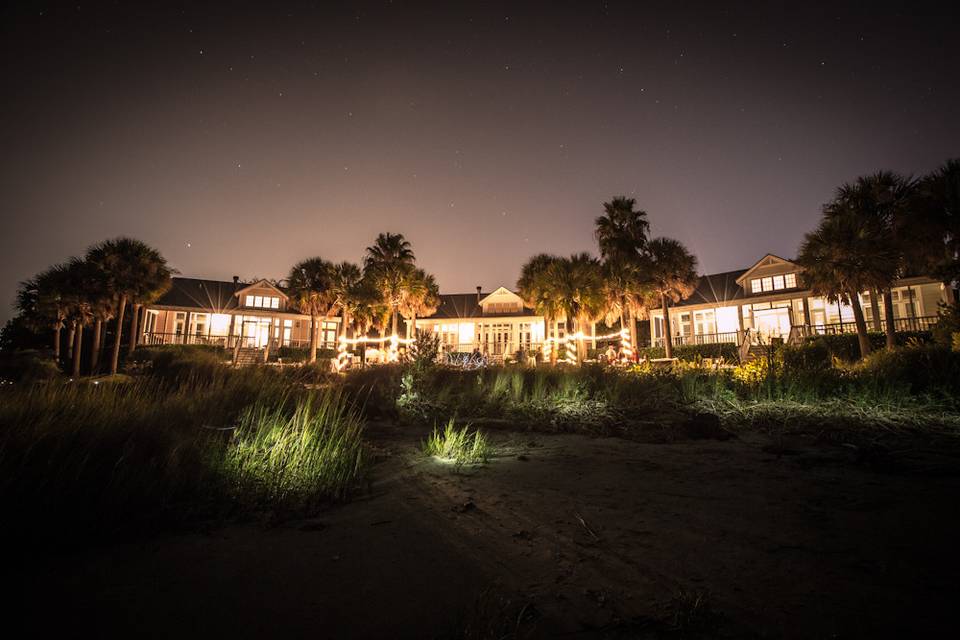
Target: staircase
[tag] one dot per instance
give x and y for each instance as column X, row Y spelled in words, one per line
column 247, row 356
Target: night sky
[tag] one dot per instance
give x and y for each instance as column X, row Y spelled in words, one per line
column 238, row 141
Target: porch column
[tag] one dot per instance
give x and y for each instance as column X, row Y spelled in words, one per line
column 806, row 311
column 593, row 335
column 186, row 328
column 232, row 330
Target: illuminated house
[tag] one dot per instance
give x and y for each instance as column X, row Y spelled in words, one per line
column 769, row 300
column 213, row 312
column 496, row 323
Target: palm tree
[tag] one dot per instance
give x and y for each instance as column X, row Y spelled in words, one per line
column 42, row 302
column 877, row 207
column 132, row 271
column 621, row 231
column 346, row 280
column 622, row 236
column 388, row 262
column 845, row 255
column 79, row 276
column 310, row 286
column 536, row 288
column 102, row 307
column 933, row 229
column 578, row 290
column 672, row 274
column 421, row 297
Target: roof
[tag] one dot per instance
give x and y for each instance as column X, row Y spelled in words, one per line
column 464, row 305
column 716, row 288
column 201, row 294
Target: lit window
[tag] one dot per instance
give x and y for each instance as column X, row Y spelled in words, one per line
column 274, row 303
column 790, row 280
column 258, row 301
column 755, row 285
column 768, row 284
column 778, row 282
column 249, row 301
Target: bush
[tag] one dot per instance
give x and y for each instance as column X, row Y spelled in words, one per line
column 725, row 350
column 27, row 366
column 846, row 346
column 948, row 324
column 302, row 354
column 182, row 362
column 918, row 369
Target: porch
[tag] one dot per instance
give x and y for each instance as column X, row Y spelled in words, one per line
column 793, row 334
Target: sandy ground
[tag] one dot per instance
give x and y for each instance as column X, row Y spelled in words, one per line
column 559, row 536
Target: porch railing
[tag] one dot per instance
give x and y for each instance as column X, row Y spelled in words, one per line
column 726, row 337
column 798, row 332
column 227, row 342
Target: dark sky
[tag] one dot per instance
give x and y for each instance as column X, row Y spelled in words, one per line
column 238, row 140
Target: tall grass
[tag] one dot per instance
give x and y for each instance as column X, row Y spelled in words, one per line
column 460, row 446
column 299, row 456
column 81, row 459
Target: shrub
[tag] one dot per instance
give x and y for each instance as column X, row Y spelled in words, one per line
column 302, row 354
column 725, row 350
column 948, row 324
column 27, row 366
column 918, row 369
column 846, row 346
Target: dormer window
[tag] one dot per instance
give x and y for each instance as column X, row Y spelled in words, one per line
column 774, row 283
column 262, row 302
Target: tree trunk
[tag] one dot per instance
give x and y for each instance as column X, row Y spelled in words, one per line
column 70, row 334
column 134, row 322
column 862, row 336
column 313, row 338
column 115, row 360
column 95, row 348
column 581, row 341
column 667, row 336
column 393, row 323
column 77, row 350
column 555, row 352
column 891, row 324
column 413, row 327
column 56, row 341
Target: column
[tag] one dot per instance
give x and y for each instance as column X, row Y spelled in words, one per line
column 186, row 328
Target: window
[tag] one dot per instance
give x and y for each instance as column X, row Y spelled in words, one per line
column 200, row 324
column 790, row 280
column 755, row 285
column 262, row 302
column 178, row 322
column 778, row 282
column 705, row 322
column 768, row 284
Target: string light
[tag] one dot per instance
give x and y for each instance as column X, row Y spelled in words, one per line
column 626, row 349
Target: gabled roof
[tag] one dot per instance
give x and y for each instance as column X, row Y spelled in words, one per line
column 716, row 288
column 261, row 284
column 766, row 260
column 465, row 305
column 201, row 294
column 499, row 292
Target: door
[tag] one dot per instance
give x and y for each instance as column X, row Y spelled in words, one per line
column 772, row 323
